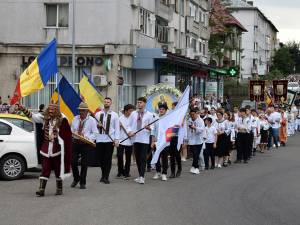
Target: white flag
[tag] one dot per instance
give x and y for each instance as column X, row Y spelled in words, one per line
column 169, row 123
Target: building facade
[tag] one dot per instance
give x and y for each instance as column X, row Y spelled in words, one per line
column 141, row 41
column 259, row 42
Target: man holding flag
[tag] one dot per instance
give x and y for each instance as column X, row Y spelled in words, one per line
column 56, row 146
column 170, row 121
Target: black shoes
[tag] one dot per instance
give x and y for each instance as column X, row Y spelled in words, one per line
column 74, row 183
column 106, row 181
column 102, row 180
column 237, row 161
column 82, row 186
column 245, row 161
column 178, row 173
column 172, row 175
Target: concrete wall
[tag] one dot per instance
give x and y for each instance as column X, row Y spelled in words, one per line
column 97, row 22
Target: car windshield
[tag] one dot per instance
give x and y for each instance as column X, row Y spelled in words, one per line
column 26, row 125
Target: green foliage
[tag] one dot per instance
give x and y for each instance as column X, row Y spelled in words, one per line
column 283, row 61
column 273, row 75
column 294, row 49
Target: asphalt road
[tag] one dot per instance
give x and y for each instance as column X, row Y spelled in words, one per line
column 264, row 192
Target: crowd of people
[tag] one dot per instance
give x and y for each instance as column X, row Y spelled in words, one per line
column 210, row 138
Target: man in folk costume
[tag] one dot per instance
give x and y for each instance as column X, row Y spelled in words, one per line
column 109, row 129
column 84, row 126
column 56, row 146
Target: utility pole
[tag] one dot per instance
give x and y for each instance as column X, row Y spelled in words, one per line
column 73, row 43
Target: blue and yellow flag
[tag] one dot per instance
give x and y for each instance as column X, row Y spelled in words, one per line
column 68, row 99
column 90, row 95
column 37, row 74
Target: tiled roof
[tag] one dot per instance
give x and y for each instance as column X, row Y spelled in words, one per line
column 220, row 18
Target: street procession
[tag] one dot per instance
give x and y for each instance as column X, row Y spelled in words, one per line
column 74, row 125
column 149, row 112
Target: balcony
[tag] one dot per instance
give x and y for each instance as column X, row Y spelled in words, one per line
column 163, row 10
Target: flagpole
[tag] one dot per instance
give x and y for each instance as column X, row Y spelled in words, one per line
column 73, row 43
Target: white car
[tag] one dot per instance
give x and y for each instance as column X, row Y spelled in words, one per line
column 17, row 148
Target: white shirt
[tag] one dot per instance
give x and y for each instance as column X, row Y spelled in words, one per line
column 125, row 122
column 209, row 134
column 221, row 126
column 244, row 124
column 274, row 120
column 195, row 137
column 89, row 130
column 255, row 126
column 114, row 128
column 144, row 135
column 264, row 124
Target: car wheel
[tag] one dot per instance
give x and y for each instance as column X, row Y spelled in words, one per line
column 12, row 167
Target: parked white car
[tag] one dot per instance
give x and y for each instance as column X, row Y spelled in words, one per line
column 17, row 147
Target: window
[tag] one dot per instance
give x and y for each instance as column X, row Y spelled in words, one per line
column 5, row 129
column 203, row 48
column 26, row 125
column 194, row 11
column 147, row 22
column 57, row 15
column 126, row 91
column 162, row 30
column 255, row 46
column 165, row 2
column 181, row 7
column 194, row 44
column 200, row 47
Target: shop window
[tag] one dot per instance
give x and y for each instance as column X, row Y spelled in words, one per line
column 57, row 15
column 126, row 91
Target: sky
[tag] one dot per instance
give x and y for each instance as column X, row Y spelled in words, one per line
column 284, row 14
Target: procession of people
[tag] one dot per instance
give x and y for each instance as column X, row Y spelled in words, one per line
column 211, row 136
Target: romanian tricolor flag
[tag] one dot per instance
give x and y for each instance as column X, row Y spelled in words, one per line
column 68, row 99
column 37, row 74
column 90, row 95
column 171, row 132
column 268, row 99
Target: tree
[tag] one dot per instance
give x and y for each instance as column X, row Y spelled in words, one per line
column 294, row 49
column 283, row 62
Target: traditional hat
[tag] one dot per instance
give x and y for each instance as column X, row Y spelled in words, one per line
column 83, row 106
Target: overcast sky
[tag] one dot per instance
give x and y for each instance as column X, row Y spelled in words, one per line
column 285, row 16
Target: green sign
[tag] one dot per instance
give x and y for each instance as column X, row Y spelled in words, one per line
column 217, row 72
column 233, row 71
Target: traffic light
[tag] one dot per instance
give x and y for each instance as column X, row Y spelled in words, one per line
column 233, row 71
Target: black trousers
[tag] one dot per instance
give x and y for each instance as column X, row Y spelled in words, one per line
column 106, row 150
column 149, row 155
column 120, row 153
column 195, row 150
column 80, row 149
column 140, row 151
column 162, row 161
column 175, row 156
column 209, row 152
column 250, row 143
column 242, row 146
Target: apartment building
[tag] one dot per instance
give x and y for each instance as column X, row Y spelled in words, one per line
column 259, row 43
column 140, row 41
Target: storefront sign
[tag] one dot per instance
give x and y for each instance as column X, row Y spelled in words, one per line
column 168, row 79
column 211, row 89
column 66, row 60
